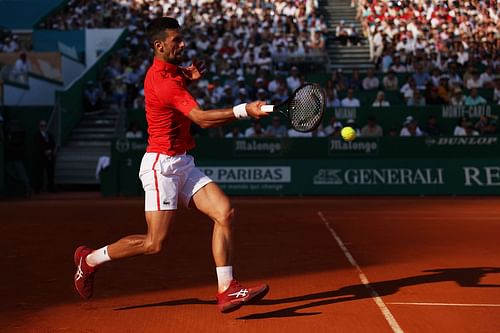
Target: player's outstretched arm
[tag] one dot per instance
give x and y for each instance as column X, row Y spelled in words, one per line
column 219, row 117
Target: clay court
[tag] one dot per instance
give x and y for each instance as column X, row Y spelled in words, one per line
column 371, row 264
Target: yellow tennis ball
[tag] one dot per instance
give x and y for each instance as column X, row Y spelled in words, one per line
column 348, row 133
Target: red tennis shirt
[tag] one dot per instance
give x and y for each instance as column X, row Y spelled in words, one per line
column 168, row 103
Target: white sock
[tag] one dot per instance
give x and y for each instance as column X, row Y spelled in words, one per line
column 98, row 257
column 224, row 277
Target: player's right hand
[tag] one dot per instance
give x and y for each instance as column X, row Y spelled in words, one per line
column 254, row 111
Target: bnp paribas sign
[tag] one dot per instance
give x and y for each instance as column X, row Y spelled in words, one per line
column 249, row 174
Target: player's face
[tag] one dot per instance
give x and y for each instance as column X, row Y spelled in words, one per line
column 172, row 48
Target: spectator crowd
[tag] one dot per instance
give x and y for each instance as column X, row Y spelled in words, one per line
column 444, row 47
column 426, row 52
column 236, row 39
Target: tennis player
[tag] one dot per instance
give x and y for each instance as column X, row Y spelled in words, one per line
column 169, row 176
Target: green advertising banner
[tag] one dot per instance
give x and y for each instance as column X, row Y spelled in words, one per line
column 321, row 166
column 357, row 177
column 2, row 171
column 319, row 148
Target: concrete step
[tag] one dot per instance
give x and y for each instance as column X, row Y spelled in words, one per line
column 331, row 37
column 89, row 143
column 108, row 123
column 346, row 3
column 344, row 59
column 337, row 52
column 89, row 140
column 77, row 159
column 77, row 150
column 345, row 54
column 86, row 169
column 347, row 48
column 332, row 30
column 338, row 6
column 360, row 48
column 91, row 136
column 334, row 22
column 341, row 12
column 348, row 55
column 347, row 63
column 349, row 68
column 336, row 49
column 91, row 129
column 335, row 43
column 336, row 10
column 346, row 16
column 87, row 179
column 101, row 119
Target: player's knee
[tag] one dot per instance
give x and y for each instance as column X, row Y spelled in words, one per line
column 225, row 216
column 152, row 247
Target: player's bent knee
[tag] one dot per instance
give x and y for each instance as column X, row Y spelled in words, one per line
column 225, row 216
column 152, row 248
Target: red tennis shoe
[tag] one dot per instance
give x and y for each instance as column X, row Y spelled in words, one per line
column 84, row 276
column 237, row 295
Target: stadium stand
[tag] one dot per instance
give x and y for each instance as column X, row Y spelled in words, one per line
column 433, row 58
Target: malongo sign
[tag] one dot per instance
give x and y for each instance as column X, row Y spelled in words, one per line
column 257, row 147
column 357, row 147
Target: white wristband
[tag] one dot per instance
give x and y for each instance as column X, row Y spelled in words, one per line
column 240, row 111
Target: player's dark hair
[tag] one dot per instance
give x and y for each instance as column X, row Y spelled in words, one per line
column 156, row 30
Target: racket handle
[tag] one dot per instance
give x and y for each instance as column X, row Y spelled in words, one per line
column 267, row 108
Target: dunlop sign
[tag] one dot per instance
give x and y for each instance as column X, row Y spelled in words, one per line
column 462, row 141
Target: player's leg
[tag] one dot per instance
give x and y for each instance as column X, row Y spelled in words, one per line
column 213, row 202
column 160, row 206
column 158, row 226
column 88, row 260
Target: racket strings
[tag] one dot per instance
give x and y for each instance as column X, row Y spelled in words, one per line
column 306, row 108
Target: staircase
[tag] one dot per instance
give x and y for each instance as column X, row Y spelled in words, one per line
column 342, row 57
column 77, row 160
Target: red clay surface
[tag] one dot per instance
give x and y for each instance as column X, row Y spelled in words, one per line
column 434, row 262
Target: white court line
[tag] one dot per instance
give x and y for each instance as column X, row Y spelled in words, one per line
column 446, row 304
column 376, row 298
column 432, row 218
column 454, row 218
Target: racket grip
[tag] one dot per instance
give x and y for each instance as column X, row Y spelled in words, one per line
column 267, row 108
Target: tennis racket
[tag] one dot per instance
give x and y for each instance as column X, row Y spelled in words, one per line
column 304, row 108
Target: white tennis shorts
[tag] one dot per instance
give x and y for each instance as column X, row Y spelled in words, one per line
column 166, row 179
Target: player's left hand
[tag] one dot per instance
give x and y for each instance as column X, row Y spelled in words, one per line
column 195, row 71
